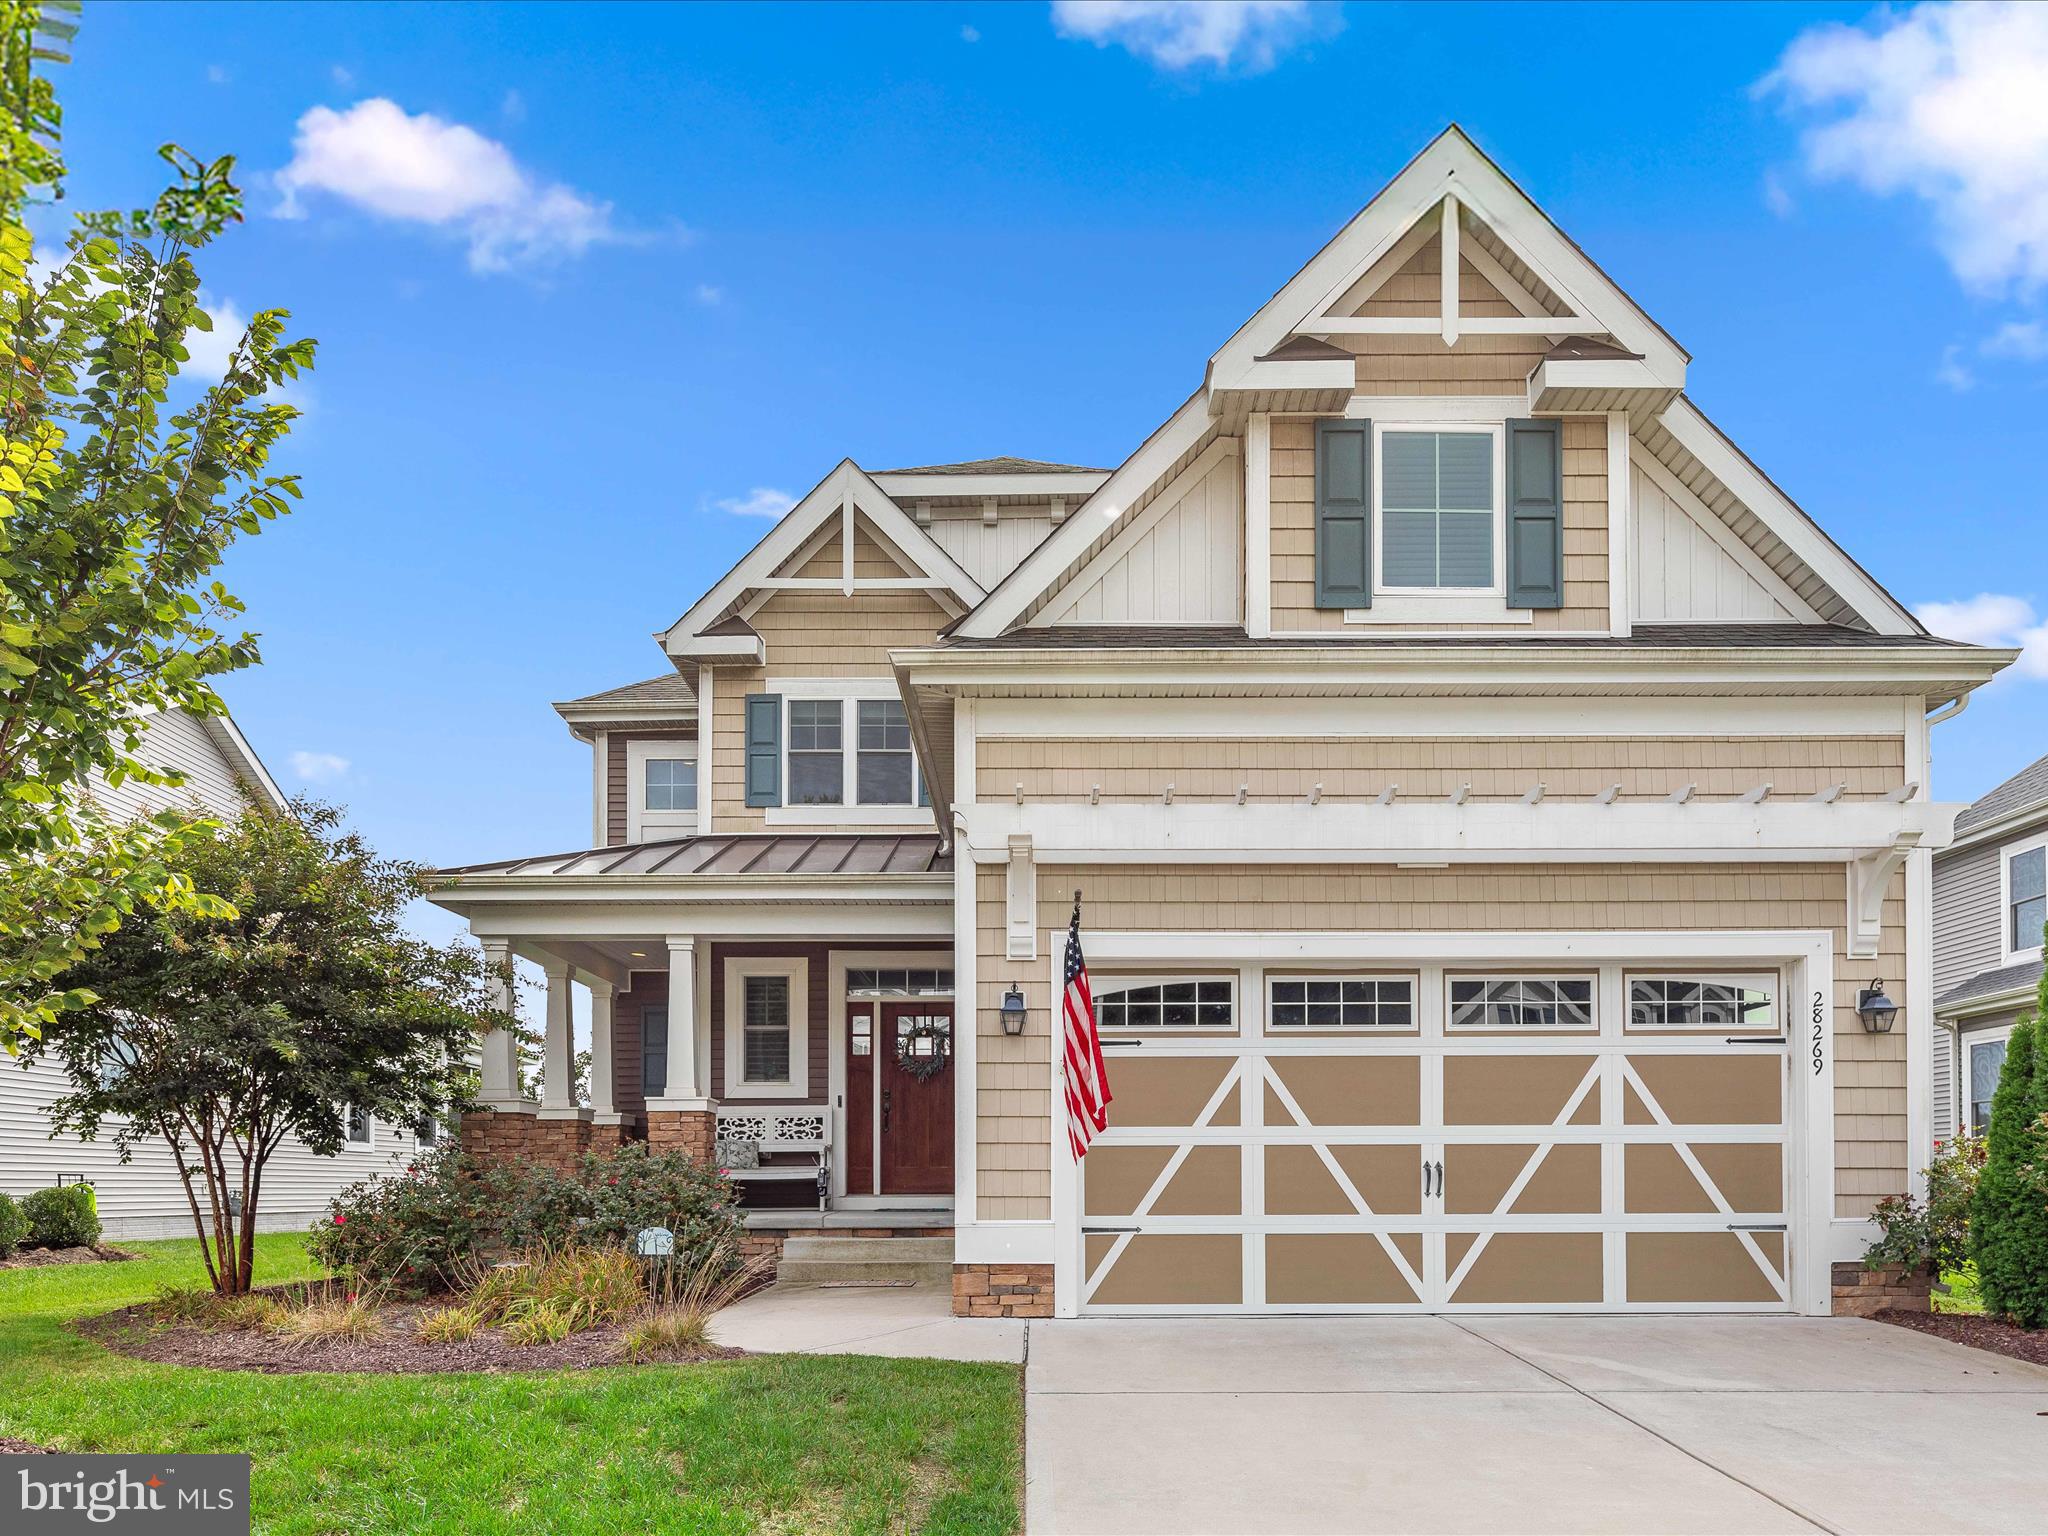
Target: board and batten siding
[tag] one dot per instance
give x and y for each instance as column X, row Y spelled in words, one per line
column 989, row 551
column 1285, row 768
column 1013, row 1097
column 1967, row 921
column 1185, row 568
column 1585, row 531
column 1681, row 571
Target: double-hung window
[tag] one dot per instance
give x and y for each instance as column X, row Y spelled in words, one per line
column 764, row 1030
column 1437, row 510
column 884, row 773
column 817, row 752
column 1987, row 1060
column 767, row 1027
column 2026, row 899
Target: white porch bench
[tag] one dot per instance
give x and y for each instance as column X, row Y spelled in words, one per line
column 777, row 1131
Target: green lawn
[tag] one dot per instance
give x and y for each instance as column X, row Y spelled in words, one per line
column 1962, row 1291
column 774, row 1444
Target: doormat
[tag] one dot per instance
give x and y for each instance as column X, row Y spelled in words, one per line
column 863, row 1285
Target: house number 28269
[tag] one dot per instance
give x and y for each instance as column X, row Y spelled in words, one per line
column 1819, row 1033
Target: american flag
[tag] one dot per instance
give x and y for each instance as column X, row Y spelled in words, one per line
column 1087, row 1079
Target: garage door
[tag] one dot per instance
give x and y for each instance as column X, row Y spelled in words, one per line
column 1439, row 1141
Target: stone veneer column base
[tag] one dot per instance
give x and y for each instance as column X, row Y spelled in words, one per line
column 1002, row 1290
column 1858, row 1292
column 507, row 1135
column 682, row 1130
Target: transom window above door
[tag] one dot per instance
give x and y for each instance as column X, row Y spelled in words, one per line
column 1437, row 510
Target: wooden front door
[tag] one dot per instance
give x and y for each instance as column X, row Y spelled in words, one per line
column 916, row 1118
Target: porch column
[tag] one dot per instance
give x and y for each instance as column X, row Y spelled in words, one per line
column 604, row 1109
column 682, row 1019
column 499, row 1088
column 558, row 1050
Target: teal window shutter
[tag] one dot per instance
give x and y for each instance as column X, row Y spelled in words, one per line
column 1535, row 510
column 1343, row 514
column 764, row 749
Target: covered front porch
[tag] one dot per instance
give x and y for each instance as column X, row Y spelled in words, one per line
column 781, row 1004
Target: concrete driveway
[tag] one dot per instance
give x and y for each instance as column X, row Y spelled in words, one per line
column 1526, row 1424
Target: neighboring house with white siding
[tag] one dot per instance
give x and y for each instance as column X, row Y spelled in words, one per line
column 1990, row 903
column 1489, row 796
column 143, row 1197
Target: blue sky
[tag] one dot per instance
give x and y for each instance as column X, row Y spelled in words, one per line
column 586, row 277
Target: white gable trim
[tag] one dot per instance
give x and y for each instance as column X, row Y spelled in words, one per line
column 1168, row 500
column 1825, row 558
column 1065, row 544
column 848, row 489
column 1451, row 166
column 1689, row 503
column 242, row 760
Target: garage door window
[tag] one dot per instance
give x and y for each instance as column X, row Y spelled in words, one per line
column 1521, row 1003
column 1341, row 1002
column 1701, row 1002
column 1158, row 1003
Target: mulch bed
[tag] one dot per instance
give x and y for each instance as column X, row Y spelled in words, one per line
column 133, row 1331
column 37, row 1258
column 9, row 1446
column 1979, row 1332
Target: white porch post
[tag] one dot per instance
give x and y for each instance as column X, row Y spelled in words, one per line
column 500, row 1078
column 683, row 1082
column 603, row 1075
column 558, row 1051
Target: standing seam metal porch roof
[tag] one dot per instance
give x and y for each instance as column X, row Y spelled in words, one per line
column 820, row 855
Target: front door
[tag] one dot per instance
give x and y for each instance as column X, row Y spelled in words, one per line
column 914, row 1058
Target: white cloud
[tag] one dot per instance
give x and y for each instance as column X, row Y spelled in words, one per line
column 422, row 169
column 761, row 501
column 1176, row 34
column 211, row 349
column 709, row 294
column 318, row 767
column 1953, row 371
column 970, row 34
column 1777, row 196
column 1993, row 618
column 2018, row 338
column 1949, row 103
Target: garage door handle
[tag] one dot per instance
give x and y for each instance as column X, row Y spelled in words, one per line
column 1757, row 1226
column 1426, row 1166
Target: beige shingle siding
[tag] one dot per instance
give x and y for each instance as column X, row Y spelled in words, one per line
column 1417, row 289
column 1293, row 521
column 811, row 634
column 1285, row 768
column 1014, row 1097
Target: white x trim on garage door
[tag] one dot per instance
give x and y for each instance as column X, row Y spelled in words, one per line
column 1586, row 1151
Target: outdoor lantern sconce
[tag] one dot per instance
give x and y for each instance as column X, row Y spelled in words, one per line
column 1875, row 1009
column 1013, row 1012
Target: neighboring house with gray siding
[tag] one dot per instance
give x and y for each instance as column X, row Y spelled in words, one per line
column 142, row 1197
column 1990, row 902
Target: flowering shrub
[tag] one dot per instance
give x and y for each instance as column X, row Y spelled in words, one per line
column 424, row 1229
column 1951, row 1181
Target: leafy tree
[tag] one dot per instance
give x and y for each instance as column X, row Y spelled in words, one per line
column 221, row 1035
column 116, row 507
column 2009, row 1212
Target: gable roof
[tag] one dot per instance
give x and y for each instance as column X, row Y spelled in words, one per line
column 844, row 493
column 1602, row 326
column 1003, row 465
column 668, row 697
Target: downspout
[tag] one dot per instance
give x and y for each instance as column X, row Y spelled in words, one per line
column 1950, row 710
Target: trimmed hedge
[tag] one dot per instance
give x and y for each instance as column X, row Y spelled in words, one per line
column 65, row 1217
column 13, row 1226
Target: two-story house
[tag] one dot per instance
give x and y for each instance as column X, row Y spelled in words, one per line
column 1990, row 904
column 1489, row 797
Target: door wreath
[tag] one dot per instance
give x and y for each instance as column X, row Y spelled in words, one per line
column 924, row 1049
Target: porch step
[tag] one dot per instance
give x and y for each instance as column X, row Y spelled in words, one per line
column 812, row 1260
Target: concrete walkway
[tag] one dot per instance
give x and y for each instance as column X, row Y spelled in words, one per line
column 1526, row 1424
column 914, row 1320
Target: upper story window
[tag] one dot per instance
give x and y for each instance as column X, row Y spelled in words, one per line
column 671, row 784
column 1437, row 510
column 817, row 752
column 356, row 1125
column 886, row 771
column 2026, row 899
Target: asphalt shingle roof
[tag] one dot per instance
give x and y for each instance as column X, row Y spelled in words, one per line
column 1990, row 983
column 1002, row 465
column 2027, row 787
column 669, row 688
